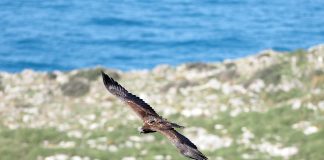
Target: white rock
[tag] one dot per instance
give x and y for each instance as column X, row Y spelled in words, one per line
column 236, row 102
column 76, row 158
column 276, row 150
column 310, row 130
column 321, row 105
column 223, row 108
column 207, row 141
column 306, row 127
column 57, row 157
column 66, row 144
column 135, row 138
column 235, row 112
column 218, row 126
column 296, row 104
column 129, row 158
column 74, row 134
column 61, row 78
column 112, row 148
column 159, row 157
column 227, row 89
column 257, row 85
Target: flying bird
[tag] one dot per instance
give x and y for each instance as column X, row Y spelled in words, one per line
column 152, row 121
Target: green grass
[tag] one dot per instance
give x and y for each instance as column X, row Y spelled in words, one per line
column 272, row 74
column 301, row 55
column 281, row 96
column 26, row 143
column 277, row 122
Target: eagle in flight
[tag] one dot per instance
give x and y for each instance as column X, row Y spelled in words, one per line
column 152, row 121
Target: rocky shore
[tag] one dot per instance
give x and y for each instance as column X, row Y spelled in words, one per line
column 266, row 106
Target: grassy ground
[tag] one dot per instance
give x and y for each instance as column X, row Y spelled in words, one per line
column 273, row 111
column 273, row 126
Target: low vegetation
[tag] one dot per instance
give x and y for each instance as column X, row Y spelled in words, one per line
column 268, row 106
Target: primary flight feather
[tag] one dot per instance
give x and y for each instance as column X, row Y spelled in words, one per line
column 152, row 121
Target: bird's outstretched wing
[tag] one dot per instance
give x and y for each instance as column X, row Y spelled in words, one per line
column 137, row 104
column 184, row 145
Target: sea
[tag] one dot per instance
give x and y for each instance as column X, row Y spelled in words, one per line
column 47, row 35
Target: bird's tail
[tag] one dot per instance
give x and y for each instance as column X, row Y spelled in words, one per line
column 172, row 125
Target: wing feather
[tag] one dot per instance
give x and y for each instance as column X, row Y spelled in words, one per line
column 175, row 137
column 136, row 103
column 184, row 145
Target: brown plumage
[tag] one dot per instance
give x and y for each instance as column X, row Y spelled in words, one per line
column 152, row 121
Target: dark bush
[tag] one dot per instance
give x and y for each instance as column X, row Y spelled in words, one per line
column 76, row 87
column 94, row 73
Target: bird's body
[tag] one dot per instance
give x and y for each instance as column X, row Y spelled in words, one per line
column 152, row 121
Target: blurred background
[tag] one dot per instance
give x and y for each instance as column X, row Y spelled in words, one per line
column 127, row 35
column 245, row 77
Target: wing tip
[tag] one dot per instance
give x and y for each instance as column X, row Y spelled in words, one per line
column 102, row 73
column 196, row 154
column 106, row 79
column 112, row 86
column 203, row 156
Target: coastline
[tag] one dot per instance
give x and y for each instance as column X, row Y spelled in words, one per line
column 258, row 103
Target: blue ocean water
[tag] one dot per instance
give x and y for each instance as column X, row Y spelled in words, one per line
column 132, row 34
